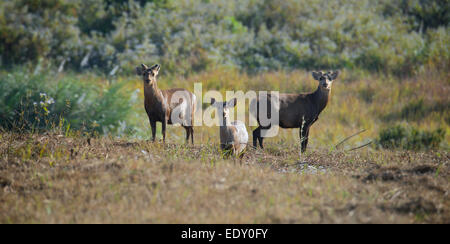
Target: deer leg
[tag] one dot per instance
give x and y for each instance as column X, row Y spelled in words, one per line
column 261, row 141
column 153, row 125
column 241, row 151
column 163, row 130
column 241, row 155
column 188, row 132
column 261, row 138
column 192, row 134
column 256, row 135
column 304, row 138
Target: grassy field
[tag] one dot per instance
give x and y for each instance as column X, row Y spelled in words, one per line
column 68, row 177
column 359, row 100
column 75, row 138
column 49, row 178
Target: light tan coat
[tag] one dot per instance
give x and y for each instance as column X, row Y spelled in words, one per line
column 233, row 135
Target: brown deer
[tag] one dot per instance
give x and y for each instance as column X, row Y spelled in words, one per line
column 299, row 110
column 173, row 106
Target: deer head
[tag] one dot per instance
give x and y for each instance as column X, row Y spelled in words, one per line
column 148, row 74
column 223, row 108
column 325, row 79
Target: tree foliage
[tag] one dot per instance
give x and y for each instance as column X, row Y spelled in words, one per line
column 190, row 36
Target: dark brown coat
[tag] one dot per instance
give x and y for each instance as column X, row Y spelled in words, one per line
column 299, row 110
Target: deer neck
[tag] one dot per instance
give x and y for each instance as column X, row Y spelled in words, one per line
column 152, row 90
column 226, row 133
column 320, row 98
column 224, row 122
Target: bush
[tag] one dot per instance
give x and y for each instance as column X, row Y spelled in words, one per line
column 422, row 14
column 410, row 138
column 32, row 30
column 189, row 36
column 43, row 101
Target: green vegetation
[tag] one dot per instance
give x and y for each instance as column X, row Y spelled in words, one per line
column 73, row 128
column 411, row 139
column 46, row 100
column 114, row 105
column 191, row 36
column 69, row 65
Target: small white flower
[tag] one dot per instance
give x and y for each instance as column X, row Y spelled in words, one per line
column 35, row 103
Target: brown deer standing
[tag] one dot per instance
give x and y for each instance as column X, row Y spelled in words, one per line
column 165, row 106
column 299, row 110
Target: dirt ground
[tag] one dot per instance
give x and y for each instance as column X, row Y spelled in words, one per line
column 48, row 178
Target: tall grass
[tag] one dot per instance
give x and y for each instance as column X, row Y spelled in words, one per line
column 359, row 100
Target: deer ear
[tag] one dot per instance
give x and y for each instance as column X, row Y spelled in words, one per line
column 334, row 75
column 138, row 70
column 232, row 103
column 155, row 69
column 317, row 75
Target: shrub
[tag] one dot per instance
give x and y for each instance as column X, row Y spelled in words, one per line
column 392, row 137
column 410, row 138
column 189, row 36
column 425, row 139
column 32, row 30
column 43, row 101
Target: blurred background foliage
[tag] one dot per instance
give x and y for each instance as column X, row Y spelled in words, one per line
column 191, row 36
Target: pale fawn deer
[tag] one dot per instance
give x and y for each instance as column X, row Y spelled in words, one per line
column 233, row 134
column 298, row 110
column 173, row 106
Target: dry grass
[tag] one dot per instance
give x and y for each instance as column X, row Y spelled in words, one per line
column 47, row 178
column 359, row 101
column 50, row 178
